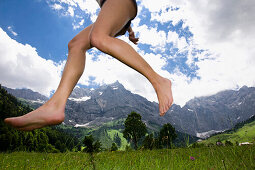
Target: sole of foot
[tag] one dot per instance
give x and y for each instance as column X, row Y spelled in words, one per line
column 45, row 115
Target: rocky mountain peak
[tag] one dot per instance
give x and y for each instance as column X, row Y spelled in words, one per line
column 27, row 94
column 79, row 92
column 201, row 115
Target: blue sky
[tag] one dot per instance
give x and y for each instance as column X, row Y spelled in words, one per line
column 39, row 26
column 202, row 46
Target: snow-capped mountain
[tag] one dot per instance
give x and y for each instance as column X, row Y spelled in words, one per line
column 201, row 116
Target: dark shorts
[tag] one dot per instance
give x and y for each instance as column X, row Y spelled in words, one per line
column 129, row 22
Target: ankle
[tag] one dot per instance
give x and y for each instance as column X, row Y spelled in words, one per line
column 156, row 81
column 55, row 103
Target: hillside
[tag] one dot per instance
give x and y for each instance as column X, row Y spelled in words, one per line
column 112, row 132
column 48, row 139
column 242, row 132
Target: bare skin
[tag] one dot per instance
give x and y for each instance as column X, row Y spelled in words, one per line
column 109, row 24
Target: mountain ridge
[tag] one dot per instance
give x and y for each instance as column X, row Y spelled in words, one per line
column 241, row 132
column 199, row 116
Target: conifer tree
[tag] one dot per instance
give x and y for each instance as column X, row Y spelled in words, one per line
column 135, row 129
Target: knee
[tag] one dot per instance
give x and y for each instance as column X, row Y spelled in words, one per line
column 76, row 44
column 71, row 45
column 97, row 40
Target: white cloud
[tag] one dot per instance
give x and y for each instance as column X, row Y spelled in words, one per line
column 164, row 10
column 225, row 30
column 76, row 26
column 156, row 6
column 62, row 10
column 89, row 7
column 69, row 2
column 56, row 7
column 151, row 36
column 21, row 67
column 11, row 30
column 179, row 43
column 71, row 11
column 82, row 22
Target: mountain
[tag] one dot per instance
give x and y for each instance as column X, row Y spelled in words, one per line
column 28, row 97
column 218, row 112
column 27, row 94
column 200, row 116
column 108, row 103
column 241, row 132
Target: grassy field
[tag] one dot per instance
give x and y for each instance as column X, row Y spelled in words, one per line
column 244, row 134
column 234, row 157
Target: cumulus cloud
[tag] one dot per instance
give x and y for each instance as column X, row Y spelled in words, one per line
column 224, row 29
column 89, row 7
column 151, row 36
column 180, row 43
column 22, row 67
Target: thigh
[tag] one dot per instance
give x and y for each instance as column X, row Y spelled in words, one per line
column 113, row 16
column 82, row 38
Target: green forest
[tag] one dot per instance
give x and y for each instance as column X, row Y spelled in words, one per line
column 49, row 139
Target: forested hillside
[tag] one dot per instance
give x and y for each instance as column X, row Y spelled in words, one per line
column 48, row 139
column 242, row 132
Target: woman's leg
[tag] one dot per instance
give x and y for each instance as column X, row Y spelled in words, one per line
column 112, row 17
column 52, row 112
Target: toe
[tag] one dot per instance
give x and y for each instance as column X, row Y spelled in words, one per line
column 162, row 114
column 163, row 111
column 170, row 104
column 8, row 121
column 14, row 122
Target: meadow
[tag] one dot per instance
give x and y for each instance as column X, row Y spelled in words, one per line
column 243, row 134
column 232, row 157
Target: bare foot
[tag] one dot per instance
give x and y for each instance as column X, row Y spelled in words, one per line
column 48, row 114
column 164, row 93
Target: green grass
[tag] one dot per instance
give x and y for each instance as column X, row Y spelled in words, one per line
column 244, row 134
column 205, row 158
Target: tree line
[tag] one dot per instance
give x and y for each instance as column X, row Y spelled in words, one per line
column 137, row 134
column 49, row 139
